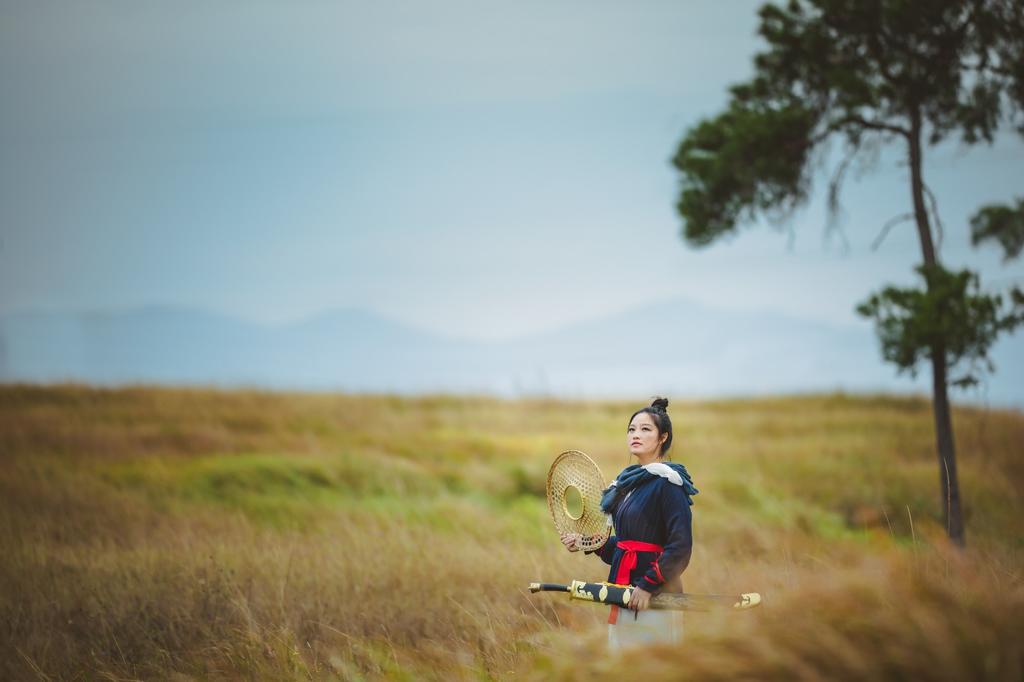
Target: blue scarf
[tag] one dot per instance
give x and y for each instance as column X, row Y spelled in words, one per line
column 635, row 475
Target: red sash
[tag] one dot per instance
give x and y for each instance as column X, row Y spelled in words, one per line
column 627, row 563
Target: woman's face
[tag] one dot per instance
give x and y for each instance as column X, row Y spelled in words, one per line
column 643, row 438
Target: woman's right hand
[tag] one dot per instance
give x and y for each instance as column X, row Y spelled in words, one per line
column 571, row 541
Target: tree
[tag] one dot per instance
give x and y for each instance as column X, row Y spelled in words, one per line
column 870, row 73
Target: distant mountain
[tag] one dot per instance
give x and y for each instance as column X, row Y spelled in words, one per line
column 678, row 348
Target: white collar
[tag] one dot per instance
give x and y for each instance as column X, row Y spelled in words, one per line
column 665, row 471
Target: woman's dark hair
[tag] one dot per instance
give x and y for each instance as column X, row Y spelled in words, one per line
column 658, row 410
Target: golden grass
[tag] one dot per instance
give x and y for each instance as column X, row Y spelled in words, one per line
column 175, row 534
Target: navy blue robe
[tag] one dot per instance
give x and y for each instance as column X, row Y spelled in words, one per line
column 658, row 512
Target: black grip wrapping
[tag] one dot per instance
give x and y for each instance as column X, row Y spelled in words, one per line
column 548, row 587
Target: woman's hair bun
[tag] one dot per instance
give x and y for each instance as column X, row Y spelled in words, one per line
column 660, row 404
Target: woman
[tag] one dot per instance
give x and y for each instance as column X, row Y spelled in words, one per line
column 650, row 506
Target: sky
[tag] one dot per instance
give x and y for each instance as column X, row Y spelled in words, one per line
column 481, row 170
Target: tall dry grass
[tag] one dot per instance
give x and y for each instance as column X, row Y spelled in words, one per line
column 157, row 534
column 894, row 617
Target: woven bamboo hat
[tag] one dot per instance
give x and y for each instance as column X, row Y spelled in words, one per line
column 575, row 484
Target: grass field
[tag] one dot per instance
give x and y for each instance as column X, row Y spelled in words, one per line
column 179, row 534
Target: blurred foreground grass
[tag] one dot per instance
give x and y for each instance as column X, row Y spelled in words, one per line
column 155, row 533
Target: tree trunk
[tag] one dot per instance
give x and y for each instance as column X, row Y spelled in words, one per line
column 949, row 483
column 950, row 490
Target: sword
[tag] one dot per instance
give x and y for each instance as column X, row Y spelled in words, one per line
column 619, row 595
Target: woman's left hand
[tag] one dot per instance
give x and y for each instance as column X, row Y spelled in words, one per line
column 640, row 599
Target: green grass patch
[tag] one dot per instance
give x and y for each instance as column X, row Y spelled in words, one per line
column 273, row 488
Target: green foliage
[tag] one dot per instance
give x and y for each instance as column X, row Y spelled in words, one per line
column 1001, row 224
column 856, row 69
column 746, row 160
column 950, row 313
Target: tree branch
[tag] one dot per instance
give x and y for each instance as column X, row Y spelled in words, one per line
column 835, row 186
column 840, row 123
column 877, row 125
column 934, row 206
column 892, row 222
